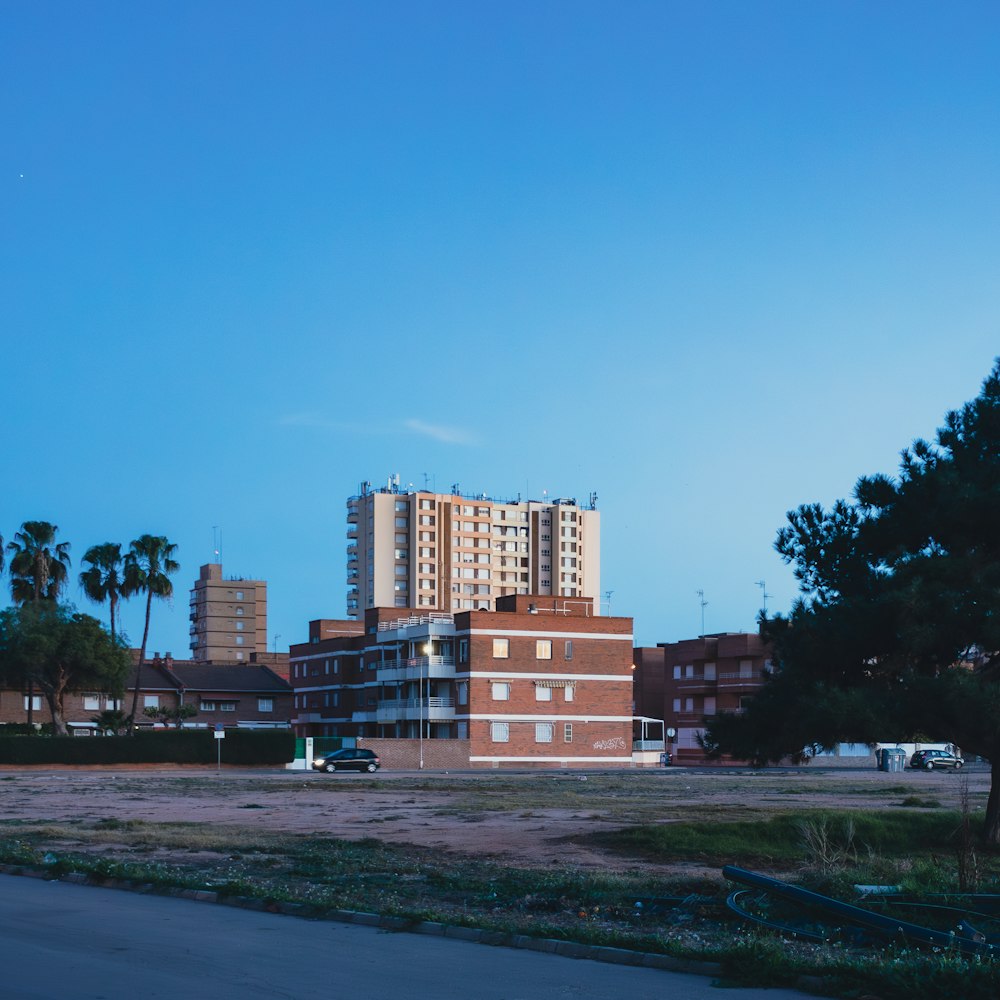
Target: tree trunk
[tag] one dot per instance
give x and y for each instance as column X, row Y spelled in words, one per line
column 992, row 831
column 54, row 698
column 142, row 659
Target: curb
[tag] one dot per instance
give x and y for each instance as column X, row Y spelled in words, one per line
column 554, row 946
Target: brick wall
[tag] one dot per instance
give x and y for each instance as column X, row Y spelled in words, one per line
column 404, row 755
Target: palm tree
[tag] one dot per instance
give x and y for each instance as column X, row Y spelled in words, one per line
column 148, row 564
column 38, row 565
column 104, row 580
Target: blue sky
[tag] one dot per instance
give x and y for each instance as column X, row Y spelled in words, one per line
column 708, row 260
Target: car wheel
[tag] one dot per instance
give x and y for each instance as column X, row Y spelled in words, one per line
column 958, row 765
column 372, row 768
column 329, row 768
column 929, row 766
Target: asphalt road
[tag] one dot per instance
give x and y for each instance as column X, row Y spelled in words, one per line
column 60, row 940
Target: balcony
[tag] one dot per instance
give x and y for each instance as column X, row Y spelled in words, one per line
column 352, row 533
column 431, row 709
column 352, row 552
column 416, row 667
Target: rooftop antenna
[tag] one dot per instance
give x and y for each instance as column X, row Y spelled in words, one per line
column 593, row 501
column 607, row 600
column 704, row 604
column 764, row 595
column 426, row 477
column 217, row 542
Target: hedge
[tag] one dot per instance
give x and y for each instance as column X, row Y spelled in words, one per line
column 179, row 746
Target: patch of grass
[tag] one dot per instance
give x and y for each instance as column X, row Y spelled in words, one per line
column 780, row 838
column 915, row 802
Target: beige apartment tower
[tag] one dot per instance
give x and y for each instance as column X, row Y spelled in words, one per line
column 228, row 617
column 453, row 552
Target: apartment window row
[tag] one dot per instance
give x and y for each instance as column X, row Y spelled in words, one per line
column 543, row 649
column 544, row 732
column 500, row 691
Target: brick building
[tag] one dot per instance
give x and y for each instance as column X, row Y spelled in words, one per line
column 686, row 682
column 249, row 696
column 541, row 680
column 228, row 617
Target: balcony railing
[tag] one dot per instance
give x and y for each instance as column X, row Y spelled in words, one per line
column 648, row 745
column 415, row 667
column 432, row 709
column 434, row 618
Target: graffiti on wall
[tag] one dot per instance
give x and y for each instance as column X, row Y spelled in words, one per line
column 616, row 743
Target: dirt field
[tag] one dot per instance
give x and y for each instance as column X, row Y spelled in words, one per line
column 535, row 819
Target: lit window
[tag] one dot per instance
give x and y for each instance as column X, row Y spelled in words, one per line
column 36, row 703
column 207, row 706
column 543, row 649
column 543, row 732
column 91, row 703
column 150, row 701
column 501, row 649
column 500, row 732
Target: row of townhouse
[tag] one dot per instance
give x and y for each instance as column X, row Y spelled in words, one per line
column 539, row 681
column 243, row 695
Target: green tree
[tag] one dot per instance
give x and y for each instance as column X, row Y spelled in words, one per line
column 897, row 627
column 104, row 578
column 57, row 650
column 39, row 566
column 171, row 716
column 148, row 565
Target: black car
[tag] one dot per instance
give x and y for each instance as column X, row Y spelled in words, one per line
column 929, row 760
column 348, row 759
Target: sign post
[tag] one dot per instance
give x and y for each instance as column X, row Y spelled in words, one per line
column 220, row 735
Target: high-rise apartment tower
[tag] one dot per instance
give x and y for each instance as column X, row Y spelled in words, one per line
column 228, row 617
column 452, row 552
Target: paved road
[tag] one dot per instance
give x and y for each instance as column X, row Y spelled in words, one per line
column 60, row 940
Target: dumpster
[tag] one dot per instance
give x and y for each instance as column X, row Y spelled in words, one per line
column 892, row 759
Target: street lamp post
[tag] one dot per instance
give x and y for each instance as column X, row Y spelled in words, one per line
column 427, row 655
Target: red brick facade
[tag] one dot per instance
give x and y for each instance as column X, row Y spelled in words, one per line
column 539, row 681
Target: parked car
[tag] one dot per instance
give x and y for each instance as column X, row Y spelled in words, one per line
column 928, row 760
column 347, row 759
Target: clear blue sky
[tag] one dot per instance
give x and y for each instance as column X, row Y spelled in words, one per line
column 709, row 260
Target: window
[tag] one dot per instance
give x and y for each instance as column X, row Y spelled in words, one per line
column 427, row 519
column 239, row 655
column 239, row 640
column 426, row 505
column 150, row 701
column 402, row 522
column 401, row 554
column 569, row 649
column 543, row 693
column 463, row 650
column 207, row 706
column 400, row 505
column 568, row 692
column 501, row 649
column 227, row 706
column 568, row 732
column 677, row 672
column 543, row 732
column 239, row 611
column 92, row 703
column 463, row 693
column 677, row 704
column 501, row 691
column 500, row 732
column 36, row 703
column 265, row 704
column 543, row 649
column 239, row 595
column 239, row 626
